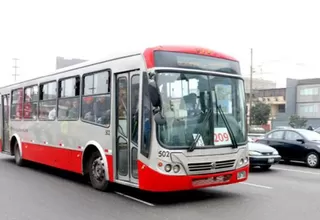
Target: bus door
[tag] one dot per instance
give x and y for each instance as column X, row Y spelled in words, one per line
column 5, row 123
column 127, row 126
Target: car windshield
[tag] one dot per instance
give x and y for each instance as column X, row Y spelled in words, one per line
column 190, row 103
column 310, row 135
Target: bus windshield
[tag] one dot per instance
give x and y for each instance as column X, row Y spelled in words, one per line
column 200, row 107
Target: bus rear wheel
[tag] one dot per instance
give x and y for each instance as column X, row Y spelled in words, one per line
column 17, row 155
column 97, row 172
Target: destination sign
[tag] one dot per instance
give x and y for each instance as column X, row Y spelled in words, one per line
column 194, row 61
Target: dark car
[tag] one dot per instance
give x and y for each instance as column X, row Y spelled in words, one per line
column 262, row 155
column 295, row 144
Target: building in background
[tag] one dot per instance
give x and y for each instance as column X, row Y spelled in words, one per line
column 258, row 83
column 303, row 99
column 275, row 97
column 62, row 62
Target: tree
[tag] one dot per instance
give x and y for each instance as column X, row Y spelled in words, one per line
column 296, row 121
column 260, row 113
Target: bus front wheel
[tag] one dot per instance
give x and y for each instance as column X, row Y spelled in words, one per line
column 97, row 172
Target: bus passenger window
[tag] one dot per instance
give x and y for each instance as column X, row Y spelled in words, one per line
column 101, row 110
column 47, row 103
column 17, row 104
column 68, row 103
column 87, row 108
column 30, row 108
column 96, row 98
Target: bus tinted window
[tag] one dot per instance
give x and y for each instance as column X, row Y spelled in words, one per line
column 69, row 87
column 194, row 61
column 47, row 103
column 17, row 104
column 30, row 109
column 96, row 98
column 68, row 103
column 48, row 91
column 97, row 83
column 31, row 94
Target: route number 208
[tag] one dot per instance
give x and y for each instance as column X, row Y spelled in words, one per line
column 163, row 153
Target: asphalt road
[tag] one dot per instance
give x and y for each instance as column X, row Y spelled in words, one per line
column 40, row 193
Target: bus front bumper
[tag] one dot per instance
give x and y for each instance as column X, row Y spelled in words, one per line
column 151, row 180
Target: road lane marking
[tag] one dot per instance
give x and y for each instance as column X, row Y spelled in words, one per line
column 135, row 199
column 297, row 171
column 256, row 185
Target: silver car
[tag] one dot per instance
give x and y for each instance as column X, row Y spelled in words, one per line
column 262, row 155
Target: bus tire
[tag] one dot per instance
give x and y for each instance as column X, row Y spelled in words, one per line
column 17, row 155
column 97, row 172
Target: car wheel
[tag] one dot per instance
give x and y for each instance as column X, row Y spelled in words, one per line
column 265, row 167
column 312, row 159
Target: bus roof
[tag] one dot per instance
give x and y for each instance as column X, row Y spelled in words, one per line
column 147, row 52
column 110, row 57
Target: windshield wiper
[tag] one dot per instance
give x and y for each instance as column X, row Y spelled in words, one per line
column 193, row 145
column 225, row 120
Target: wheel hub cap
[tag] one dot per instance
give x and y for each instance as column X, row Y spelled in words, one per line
column 98, row 169
column 312, row 160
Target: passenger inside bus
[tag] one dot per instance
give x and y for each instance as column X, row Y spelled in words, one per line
column 87, row 107
column 73, row 112
column 101, row 110
column 96, row 109
column 52, row 114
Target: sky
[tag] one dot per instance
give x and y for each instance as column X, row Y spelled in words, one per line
column 283, row 34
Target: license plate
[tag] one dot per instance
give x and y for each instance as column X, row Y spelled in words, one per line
column 270, row 160
column 212, row 180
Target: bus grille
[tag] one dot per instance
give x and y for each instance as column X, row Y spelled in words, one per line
column 195, row 167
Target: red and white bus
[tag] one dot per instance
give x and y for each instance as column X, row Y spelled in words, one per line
column 167, row 118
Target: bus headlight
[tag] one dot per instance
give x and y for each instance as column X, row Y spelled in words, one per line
column 243, row 161
column 176, row 168
column 168, row 167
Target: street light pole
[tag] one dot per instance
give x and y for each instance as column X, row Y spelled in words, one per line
column 251, row 73
column 15, row 69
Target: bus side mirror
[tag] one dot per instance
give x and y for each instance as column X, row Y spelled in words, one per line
column 154, row 94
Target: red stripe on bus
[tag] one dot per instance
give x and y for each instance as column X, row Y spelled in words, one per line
column 61, row 158
column 151, row 180
column 0, row 145
column 65, row 159
column 110, row 167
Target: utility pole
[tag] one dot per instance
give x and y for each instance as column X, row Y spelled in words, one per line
column 251, row 73
column 15, row 68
